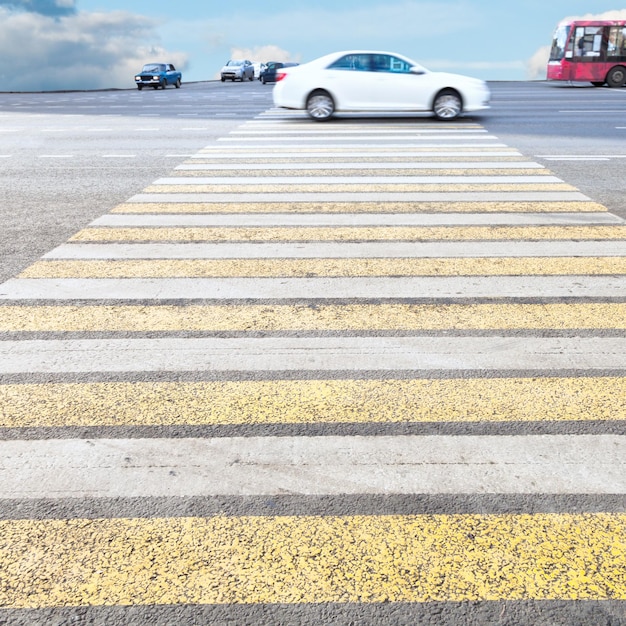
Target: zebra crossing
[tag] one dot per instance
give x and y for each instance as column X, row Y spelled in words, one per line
column 365, row 370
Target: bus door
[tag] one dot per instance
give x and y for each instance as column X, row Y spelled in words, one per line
column 588, row 51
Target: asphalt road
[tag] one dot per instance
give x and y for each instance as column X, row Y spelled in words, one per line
column 365, row 372
column 68, row 158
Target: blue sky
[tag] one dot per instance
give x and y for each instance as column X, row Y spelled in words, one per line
column 66, row 44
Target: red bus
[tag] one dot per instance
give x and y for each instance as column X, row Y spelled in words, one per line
column 589, row 51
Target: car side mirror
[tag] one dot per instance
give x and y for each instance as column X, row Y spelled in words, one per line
column 418, row 71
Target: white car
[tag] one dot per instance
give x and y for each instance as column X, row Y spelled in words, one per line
column 237, row 70
column 372, row 81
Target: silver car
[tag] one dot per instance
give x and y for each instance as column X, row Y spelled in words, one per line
column 237, row 69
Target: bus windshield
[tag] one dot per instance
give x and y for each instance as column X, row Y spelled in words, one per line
column 559, row 41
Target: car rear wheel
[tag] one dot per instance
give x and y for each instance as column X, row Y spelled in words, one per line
column 447, row 105
column 616, row 77
column 320, row 106
column 177, row 83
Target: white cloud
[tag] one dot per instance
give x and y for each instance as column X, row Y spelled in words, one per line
column 264, row 53
column 77, row 51
column 537, row 64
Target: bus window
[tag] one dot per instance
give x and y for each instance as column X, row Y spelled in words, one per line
column 588, row 41
column 617, row 41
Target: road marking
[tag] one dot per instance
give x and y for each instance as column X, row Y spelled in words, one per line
column 318, row 288
column 312, row 559
column 237, row 466
column 445, row 196
column 360, row 219
column 138, row 206
column 319, row 401
column 281, row 354
column 359, row 233
column 287, row 318
column 338, row 250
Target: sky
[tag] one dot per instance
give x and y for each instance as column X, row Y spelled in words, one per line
column 51, row 45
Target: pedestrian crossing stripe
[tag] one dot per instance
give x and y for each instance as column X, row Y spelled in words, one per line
column 358, row 233
column 312, row 559
column 317, row 401
column 321, row 188
column 326, row 207
column 317, row 317
column 204, row 268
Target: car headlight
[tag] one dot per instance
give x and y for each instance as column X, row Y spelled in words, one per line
column 155, row 78
column 137, row 77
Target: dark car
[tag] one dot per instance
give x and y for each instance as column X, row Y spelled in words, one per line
column 158, row 75
column 268, row 75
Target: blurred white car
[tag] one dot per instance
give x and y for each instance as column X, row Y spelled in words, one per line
column 372, row 81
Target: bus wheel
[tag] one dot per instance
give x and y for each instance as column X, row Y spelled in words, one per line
column 616, row 77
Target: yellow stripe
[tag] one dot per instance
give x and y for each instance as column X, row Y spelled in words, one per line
column 365, row 233
column 357, row 188
column 293, row 560
column 247, row 173
column 408, row 317
column 347, row 317
column 220, row 268
column 360, row 207
column 219, row 403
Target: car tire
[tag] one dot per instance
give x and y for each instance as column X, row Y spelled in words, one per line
column 164, row 84
column 447, row 105
column 263, row 81
column 320, row 106
column 177, row 83
column 155, row 86
column 616, row 76
column 140, row 87
column 251, row 77
column 223, row 79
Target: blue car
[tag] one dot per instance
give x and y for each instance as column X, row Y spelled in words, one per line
column 158, row 75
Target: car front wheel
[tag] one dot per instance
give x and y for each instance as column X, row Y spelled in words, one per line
column 177, row 83
column 447, row 105
column 320, row 106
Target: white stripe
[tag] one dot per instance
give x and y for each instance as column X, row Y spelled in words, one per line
column 238, row 466
column 302, row 129
column 315, row 288
column 360, row 219
column 361, row 180
column 276, row 354
column 332, row 138
column 438, row 165
column 304, row 153
column 389, row 196
column 337, row 250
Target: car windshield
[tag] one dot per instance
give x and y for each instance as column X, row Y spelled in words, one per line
column 153, row 67
column 235, row 63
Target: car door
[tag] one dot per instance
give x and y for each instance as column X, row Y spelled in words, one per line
column 350, row 79
column 170, row 74
column 398, row 84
